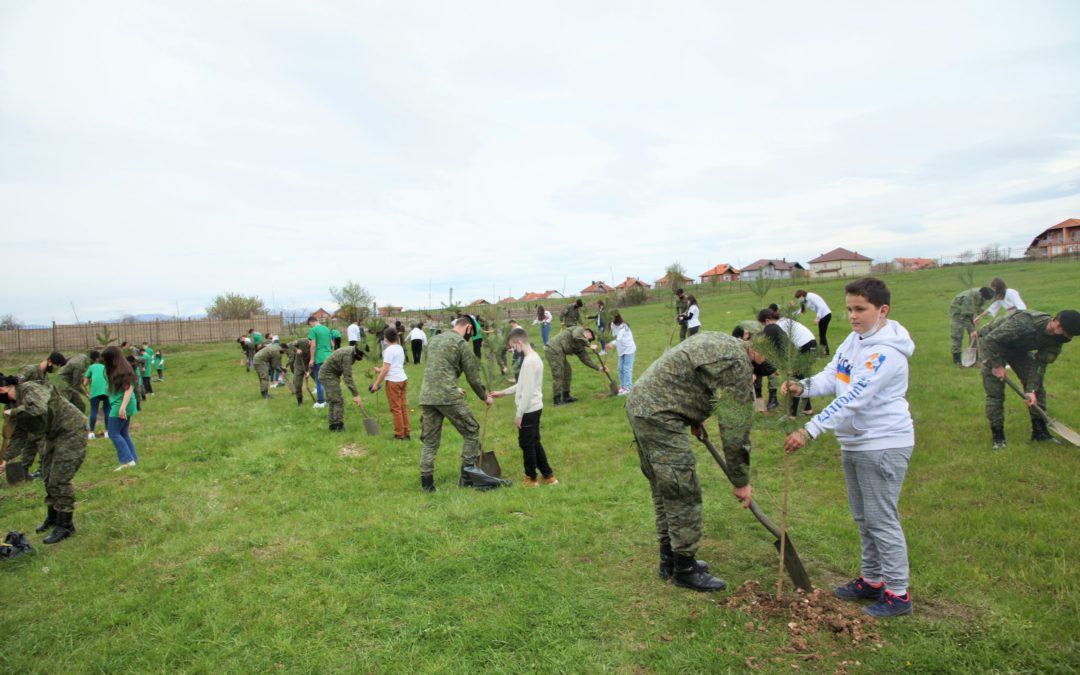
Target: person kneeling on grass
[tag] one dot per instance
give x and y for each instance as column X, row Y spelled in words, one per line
column 868, row 374
column 65, row 445
column 529, row 398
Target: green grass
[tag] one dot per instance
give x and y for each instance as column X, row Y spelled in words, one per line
column 244, row 542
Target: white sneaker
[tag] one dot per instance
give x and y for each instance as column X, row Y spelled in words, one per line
column 106, row 435
column 90, row 436
column 319, row 405
column 131, row 463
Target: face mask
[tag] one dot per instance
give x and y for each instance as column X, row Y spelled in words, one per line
column 5, row 399
column 878, row 325
column 50, row 368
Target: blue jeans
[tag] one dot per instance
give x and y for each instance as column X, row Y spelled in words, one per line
column 121, row 438
column 101, row 399
column 626, row 371
column 545, row 332
column 318, row 385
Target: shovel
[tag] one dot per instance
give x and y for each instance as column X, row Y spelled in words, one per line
column 370, row 424
column 489, row 463
column 970, row 356
column 792, row 563
column 613, row 386
column 1055, row 426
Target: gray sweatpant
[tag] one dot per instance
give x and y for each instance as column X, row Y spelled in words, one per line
column 874, row 479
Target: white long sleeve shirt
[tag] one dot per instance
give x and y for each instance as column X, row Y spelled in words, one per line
column 817, row 303
column 624, row 340
column 869, row 378
column 1010, row 303
column 798, row 333
column 528, row 391
column 353, row 332
column 418, row 334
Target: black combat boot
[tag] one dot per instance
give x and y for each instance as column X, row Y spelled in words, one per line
column 558, row 399
column 266, row 395
column 956, row 358
column 427, row 483
column 667, row 563
column 64, row 528
column 998, row 435
column 686, row 575
column 774, row 403
column 567, row 398
column 299, row 400
column 463, row 480
column 1039, row 432
column 50, row 520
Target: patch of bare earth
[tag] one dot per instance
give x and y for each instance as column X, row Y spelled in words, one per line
column 352, row 450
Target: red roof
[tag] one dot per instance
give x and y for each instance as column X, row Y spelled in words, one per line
column 838, row 254
column 631, row 281
column 506, row 301
column 481, row 301
column 597, row 287
column 529, row 297
column 777, row 264
column 719, row 271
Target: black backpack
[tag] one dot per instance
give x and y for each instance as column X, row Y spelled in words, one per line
column 15, row 544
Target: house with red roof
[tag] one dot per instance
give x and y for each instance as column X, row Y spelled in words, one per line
column 913, row 264
column 771, row 268
column 477, row 303
column 546, row 295
column 840, row 262
column 631, row 282
column 506, row 301
column 1061, row 239
column 597, row 288
column 721, row 273
column 665, row 282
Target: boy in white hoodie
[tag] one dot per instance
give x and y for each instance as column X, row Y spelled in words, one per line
column 868, row 375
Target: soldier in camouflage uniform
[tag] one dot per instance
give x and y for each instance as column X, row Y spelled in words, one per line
column 500, row 355
column 962, row 313
column 682, row 306
column 680, row 389
column 64, row 427
column 1029, row 342
column 267, row 358
column 574, row 341
column 301, row 356
column 338, row 366
column 71, row 378
column 27, row 440
column 440, row 397
column 571, row 315
column 248, row 346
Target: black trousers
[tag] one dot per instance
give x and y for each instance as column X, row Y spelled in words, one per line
column 476, row 347
column 532, row 450
column 417, row 350
column 149, row 388
column 823, row 332
column 808, row 347
column 337, row 343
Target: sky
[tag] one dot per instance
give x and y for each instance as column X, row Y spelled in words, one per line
column 156, row 154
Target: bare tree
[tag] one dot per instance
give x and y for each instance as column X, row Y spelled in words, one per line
column 9, row 322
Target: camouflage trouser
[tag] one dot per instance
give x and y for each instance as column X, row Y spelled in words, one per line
column 959, row 326
column 25, row 445
column 335, row 402
column 262, row 369
column 561, row 373
column 249, row 357
column 74, row 396
column 1023, row 364
column 298, row 382
column 431, row 422
column 62, row 458
column 668, row 462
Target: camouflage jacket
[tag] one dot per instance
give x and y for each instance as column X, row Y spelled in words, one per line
column 32, row 373
column 571, row 342
column 340, row 364
column 39, row 405
column 571, row 316
column 682, row 305
column 301, row 355
column 73, row 373
column 270, row 353
column 1023, row 332
column 687, row 384
column 966, row 304
column 448, row 357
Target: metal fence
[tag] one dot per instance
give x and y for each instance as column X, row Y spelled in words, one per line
column 95, row 335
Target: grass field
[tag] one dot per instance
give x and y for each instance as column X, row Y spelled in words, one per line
column 244, row 541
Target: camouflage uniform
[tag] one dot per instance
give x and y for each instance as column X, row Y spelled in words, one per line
column 267, row 358
column 962, row 313
column 1022, row 342
column 70, row 381
column 448, row 357
column 571, row 316
column 64, row 429
column 682, row 388
column 336, row 367
column 570, row 342
column 682, row 306
column 28, row 437
column 301, row 355
column 248, row 345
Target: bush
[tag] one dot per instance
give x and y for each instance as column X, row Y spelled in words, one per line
column 635, row 295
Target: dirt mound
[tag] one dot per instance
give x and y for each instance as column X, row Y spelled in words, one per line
column 808, row 616
column 351, row 450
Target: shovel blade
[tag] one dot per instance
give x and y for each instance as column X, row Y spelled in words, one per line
column 1065, row 432
column 969, row 357
column 794, row 566
column 614, row 387
column 760, row 406
column 371, row 426
column 489, row 464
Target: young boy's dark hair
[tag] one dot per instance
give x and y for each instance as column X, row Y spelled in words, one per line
column 874, row 290
column 390, row 335
column 986, row 292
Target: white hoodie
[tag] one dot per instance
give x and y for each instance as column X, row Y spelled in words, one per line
column 870, row 379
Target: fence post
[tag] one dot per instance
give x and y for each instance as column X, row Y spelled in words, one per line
column 54, row 336
column 18, row 339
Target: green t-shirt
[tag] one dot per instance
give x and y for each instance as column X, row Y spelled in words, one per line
column 116, row 398
column 159, row 362
column 257, row 338
column 99, row 386
column 320, row 335
column 335, row 333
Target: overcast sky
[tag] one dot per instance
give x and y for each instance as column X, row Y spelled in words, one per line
column 154, row 154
